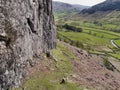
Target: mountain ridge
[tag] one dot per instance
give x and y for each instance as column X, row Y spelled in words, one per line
column 108, row 5
column 61, row 7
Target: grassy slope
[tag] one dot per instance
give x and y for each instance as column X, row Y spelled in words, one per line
column 50, row 80
column 112, row 17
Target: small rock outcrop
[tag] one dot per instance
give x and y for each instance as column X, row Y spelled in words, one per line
column 26, row 31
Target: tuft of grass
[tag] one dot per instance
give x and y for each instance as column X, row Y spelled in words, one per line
column 108, row 64
column 117, row 42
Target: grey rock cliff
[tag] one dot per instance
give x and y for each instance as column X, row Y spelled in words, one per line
column 26, row 31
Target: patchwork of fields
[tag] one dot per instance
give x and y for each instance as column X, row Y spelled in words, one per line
column 93, row 39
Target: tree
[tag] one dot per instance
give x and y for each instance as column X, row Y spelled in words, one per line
column 72, row 28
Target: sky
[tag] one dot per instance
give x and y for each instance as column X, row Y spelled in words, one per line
column 82, row 2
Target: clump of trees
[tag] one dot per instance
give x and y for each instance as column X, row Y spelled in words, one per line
column 79, row 44
column 116, row 30
column 97, row 23
column 72, row 28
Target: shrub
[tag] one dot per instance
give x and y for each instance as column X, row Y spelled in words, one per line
column 72, row 28
column 79, row 44
column 108, row 64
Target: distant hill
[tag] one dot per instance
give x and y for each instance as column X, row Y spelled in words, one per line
column 80, row 7
column 108, row 5
column 108, row 11
column 65, row 8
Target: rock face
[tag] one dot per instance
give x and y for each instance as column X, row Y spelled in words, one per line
column 26, row 31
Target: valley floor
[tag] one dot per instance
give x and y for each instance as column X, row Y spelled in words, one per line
column 71, row 69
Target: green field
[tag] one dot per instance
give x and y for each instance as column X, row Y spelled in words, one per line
column 86, row 38
column 93, row 38
column 117, row 42
column 107, row 26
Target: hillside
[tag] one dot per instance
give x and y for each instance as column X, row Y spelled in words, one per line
column 64, row 8
column 71, row 69
column 99, row 40
column 108, row 5
column 100, row 11
column 105, row 15
column 61, row 7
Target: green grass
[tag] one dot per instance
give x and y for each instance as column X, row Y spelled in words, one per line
column 88, row 40
column 117, row 42
column 115, row 55
column 109, row 26
column 100, row 33
column 63, row 56
column 46, row 84
column 96, row 52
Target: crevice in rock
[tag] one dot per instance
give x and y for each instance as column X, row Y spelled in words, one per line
column 31, row 25
column 33, row 1
column 47, row 7
column 5, row 39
